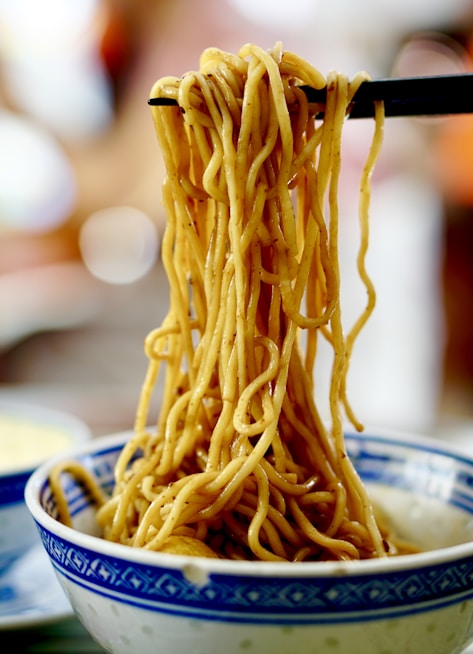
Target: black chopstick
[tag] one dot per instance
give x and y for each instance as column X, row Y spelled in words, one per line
column 405, row 96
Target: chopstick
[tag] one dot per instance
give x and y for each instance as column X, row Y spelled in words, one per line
column 405, row 96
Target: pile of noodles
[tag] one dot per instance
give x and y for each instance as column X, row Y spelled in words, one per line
column 239, row 463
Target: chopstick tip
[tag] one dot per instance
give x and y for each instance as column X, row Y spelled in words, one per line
column 162, row 102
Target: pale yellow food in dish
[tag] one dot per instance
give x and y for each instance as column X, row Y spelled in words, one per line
column 25, row 443
column 239, row 458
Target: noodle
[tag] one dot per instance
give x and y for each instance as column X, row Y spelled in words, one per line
column 239, row 458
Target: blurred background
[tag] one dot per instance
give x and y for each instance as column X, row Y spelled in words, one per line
column 81, row 281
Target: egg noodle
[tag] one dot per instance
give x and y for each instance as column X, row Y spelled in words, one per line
column 240, row 463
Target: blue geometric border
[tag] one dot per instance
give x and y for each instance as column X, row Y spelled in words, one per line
column 294, row 600
column 249, row 599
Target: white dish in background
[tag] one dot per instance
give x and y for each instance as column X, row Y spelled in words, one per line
column 29, row 434
column 30, row 594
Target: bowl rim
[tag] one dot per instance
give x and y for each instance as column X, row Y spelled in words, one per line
column 79, row 431
column 309, row 569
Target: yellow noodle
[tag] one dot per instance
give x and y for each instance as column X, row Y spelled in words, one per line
column 239, row 457
column 82, row 476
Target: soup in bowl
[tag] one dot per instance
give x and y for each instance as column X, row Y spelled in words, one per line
column 152, row 602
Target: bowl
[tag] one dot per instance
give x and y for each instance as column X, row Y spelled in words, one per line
column 130, row 599
column 28, row 435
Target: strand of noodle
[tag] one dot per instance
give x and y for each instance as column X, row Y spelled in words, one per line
column 211, row 181
column 240, row 423
column 245, row 392
column 126, row 455
column 352, row 476
column 305, row 553
column 209, row 355
column 234, row 231
column 336, row 90
column 189, row 486
column 292, row 64
column 275, row 550
column 212, row 57
column 339, row 359
column 153, row 367
column 323, row 266
column 283, row 483
column 246, row 468
column 274, row 517
column 222, row 434
column 259, row 518
column 221, row 83
column 322, row 450
column 339, row 352
column 250, row 123
column 340, row 549
column 292, row 299
column 259, row 449
column 193, row 112
column 264, row 148
column 277, row 502
column 178, row 299
column 123, row 502
column 183, row 320
column 253, row 223
column 365, row 199
column 83, row 477
column 278, row 103
column 263, row 443
column 317, row 497
column 339, row 512
column 172, row 455
column 256, row 357
column 175, row 497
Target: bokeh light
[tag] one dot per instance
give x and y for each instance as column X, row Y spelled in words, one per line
column 119, row 245
column 278, row 13
column 430, row 53
column 51, row 65
column 346, row 16
column 37, row 185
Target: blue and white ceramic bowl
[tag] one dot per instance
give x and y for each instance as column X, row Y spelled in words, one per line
column 28, row 435
column 135, row 600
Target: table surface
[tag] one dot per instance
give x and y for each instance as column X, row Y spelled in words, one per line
column 63, row 637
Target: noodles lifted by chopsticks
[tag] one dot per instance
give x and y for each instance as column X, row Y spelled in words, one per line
column 240, row 458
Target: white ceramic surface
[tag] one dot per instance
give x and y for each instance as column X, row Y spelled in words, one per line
column 17, row 531
column 132, row 600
